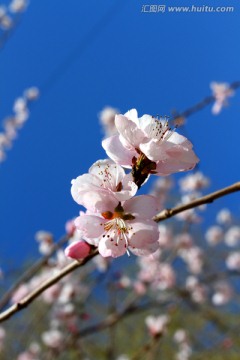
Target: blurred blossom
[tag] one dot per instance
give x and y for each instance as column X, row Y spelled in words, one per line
column 157, row 324
column 17, row 6
column 180, row 336
column 198, row 291
column 53, row 338
column 166, row 236
column 194, row 182
column 232, row 236
column 193, row 258
column 214, row 235
column 123, row 357
column 161, row 188
column 31, row 93
column 223, row 293
column 107, row 120
column 124, row 282
column 45, row 240
column 224, row 217
column 101, row 263
column 221, row 92
column 183, row 241
column 31, row 354
column 233, row 261
column 12, row 123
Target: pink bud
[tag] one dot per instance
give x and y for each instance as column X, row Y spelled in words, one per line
column 78, row 250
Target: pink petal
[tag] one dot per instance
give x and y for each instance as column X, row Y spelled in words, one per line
column 117, row 152
column 145, row 206
column 109, row 173
column 111, row 247
column 129, row 131
column 129, row 189
column 143, row 239
column 91, row 226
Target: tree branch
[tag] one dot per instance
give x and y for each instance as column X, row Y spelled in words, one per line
column 45, row 285
column 202, row 104
column 165, row 214
column 27, row 275
column 168, row 213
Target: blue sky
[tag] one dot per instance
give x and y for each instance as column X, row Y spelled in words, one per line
column 85, row 55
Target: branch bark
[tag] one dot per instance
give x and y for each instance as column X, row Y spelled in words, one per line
column 168, row 213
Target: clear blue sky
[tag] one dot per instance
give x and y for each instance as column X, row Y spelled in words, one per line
column 87, row 54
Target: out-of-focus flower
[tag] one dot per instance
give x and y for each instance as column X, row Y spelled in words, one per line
column 232, row 236
column 180, row 336
column 233, row 261
column 214, row 235
column 193, row 182
column 45, row 240
column 17, row 6
column 198, row 291
column 107, row 120
column 224, row 217
column 31, row 94
column 150, row 145
column 53, row 338
column 193, row 258
column 157, row 325
column 223, row 293
column 221, row 92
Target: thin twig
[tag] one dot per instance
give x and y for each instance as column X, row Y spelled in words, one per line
column 202, row 104
column 27, row 275
column 45, row 285
column 168, row 213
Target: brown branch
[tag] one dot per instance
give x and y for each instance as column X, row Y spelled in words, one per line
column 168, row 213
column 165, row 214
column 45, row 285
column 202, row 104
column 27, row 275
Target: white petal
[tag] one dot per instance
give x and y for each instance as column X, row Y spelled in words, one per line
column 145, row 206
column 91, row 226
column 129, row 131
column 117, row 152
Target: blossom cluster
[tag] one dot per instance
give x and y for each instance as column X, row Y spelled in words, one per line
column 14, row 122
column 115, row 220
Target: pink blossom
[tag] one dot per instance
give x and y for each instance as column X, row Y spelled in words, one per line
column 214, row 235
column 232, row 236
column 53, row 338
column 122, row 228
column 224, row 217
column 223, row 293
column 103, row 187
column 78, row 250
column 157, row 324
column 194, row 182
column 107, row 119
column 221, row 92
column 233, row 261
column 150, row 144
